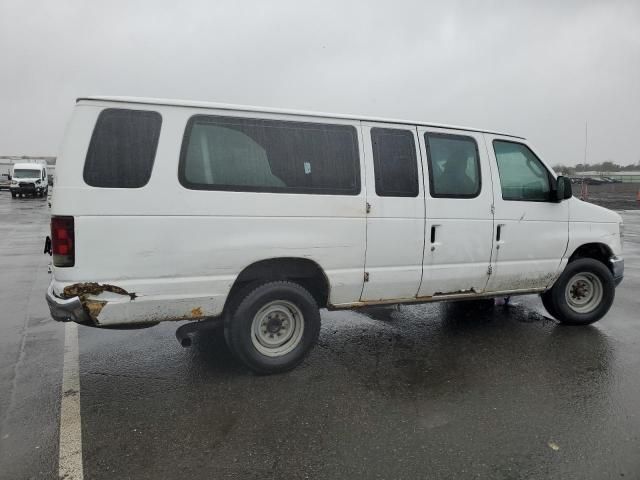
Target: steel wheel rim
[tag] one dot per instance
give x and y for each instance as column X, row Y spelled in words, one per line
column 277, row 328
column 584, row 292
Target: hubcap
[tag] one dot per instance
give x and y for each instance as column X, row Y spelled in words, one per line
column 584, row 292
column 277, row 328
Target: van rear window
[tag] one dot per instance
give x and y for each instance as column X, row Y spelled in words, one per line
column 122, row 149
column 257, row 155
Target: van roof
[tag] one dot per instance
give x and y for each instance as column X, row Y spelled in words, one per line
column 28, row 166
column 251, row 108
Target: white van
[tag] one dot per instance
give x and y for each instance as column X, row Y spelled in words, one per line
column 29, row 179
column 171, row 210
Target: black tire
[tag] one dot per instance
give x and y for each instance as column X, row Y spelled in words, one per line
column 248, row 304
column 14, row 195
column 556, row 298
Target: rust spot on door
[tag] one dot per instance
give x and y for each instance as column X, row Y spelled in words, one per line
column 197, row 312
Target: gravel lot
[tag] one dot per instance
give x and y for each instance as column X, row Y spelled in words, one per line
column 616, row 196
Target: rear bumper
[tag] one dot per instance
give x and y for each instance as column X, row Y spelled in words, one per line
column 617, row 268
column 66, row 310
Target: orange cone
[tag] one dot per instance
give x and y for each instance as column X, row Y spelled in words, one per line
column 584, row 191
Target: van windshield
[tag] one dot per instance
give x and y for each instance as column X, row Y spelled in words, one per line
column 26, row 174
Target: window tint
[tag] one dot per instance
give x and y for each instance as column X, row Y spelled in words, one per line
column 395, row 162
column 26, row 173
column 454, row 165
column 122, row 149
column 254, row 155
column 522, row 175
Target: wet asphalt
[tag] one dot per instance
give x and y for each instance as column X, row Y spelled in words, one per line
column 429, row 391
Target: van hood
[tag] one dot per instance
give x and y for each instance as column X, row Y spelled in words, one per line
column 581, row 211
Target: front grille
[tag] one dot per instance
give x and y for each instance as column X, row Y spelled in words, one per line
column 27, row 185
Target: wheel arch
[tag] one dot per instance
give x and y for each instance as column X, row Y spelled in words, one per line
column 303, row 271
column 597, row 251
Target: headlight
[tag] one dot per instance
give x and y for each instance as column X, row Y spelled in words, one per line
column 14, row 182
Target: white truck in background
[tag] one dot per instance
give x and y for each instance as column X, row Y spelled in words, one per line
column 29, row 179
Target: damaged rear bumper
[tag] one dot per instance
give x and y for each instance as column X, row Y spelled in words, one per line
column 66, row 310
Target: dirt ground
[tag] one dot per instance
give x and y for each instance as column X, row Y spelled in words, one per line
column 616, row 196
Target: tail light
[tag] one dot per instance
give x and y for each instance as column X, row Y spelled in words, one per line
column 63, row 241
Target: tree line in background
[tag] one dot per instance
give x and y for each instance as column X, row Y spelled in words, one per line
column 597, row 167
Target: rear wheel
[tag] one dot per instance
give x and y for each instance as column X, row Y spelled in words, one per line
column 583, row 294
column 272, row 327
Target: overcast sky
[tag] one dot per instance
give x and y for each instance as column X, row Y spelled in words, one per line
column 539, row 69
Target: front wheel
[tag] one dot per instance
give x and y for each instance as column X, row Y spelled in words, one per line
column 272, row 327
column 583, row 294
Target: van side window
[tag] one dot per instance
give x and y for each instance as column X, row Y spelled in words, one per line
column 395, row 162
column 122, row 149
column 454, row 165
column 257, row 155
column 522, row 175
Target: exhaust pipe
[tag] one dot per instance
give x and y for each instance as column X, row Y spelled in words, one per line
column 185, row 333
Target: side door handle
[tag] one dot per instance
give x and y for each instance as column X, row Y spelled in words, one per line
column 499, row 235
column 434, row 243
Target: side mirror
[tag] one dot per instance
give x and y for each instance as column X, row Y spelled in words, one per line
column 563, row 189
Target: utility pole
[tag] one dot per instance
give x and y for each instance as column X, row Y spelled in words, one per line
column 586, row 133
